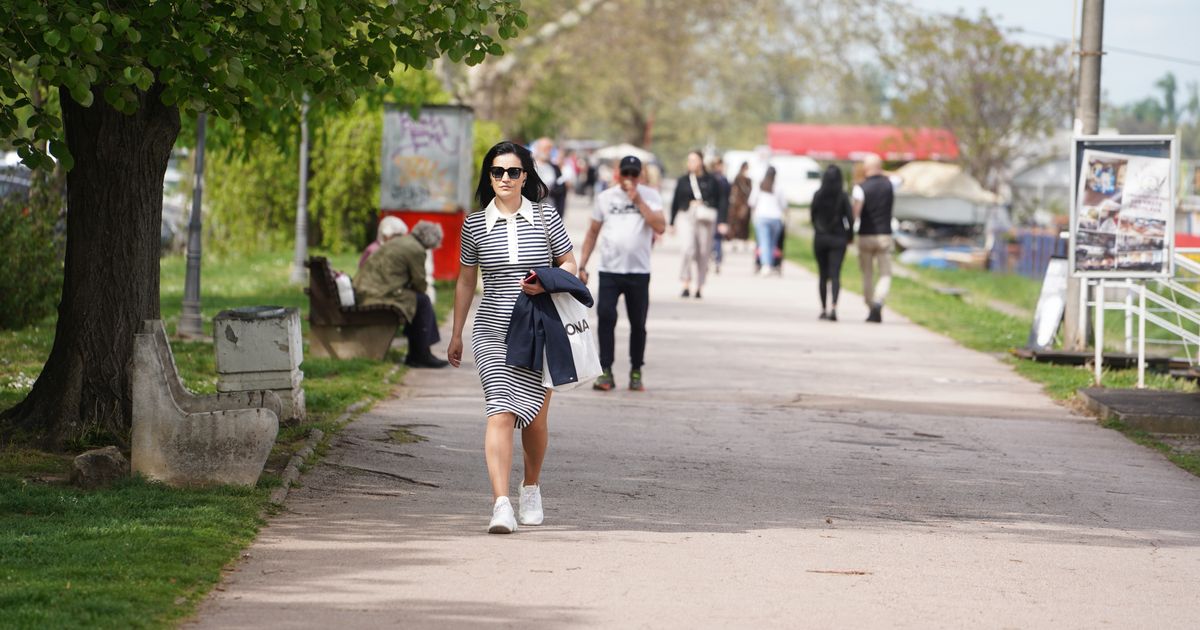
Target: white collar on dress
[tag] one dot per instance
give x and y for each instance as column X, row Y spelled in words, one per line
column 492, row 214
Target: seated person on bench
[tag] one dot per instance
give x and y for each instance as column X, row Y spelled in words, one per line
column 395, row 275
column 390, row 226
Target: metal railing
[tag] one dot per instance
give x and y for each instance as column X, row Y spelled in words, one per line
column 1172, row 306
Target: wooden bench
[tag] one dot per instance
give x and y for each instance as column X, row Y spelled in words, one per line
column 345, row 332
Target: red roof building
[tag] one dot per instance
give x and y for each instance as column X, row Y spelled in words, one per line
column 852, row 142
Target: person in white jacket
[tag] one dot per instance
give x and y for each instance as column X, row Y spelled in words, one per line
column 768, row 210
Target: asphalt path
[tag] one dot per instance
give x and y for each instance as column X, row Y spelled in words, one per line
column 780, row 471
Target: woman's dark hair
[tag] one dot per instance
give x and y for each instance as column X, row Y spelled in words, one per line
column 832, row 184
column 768, row 182
column 700, row 154
column 826, row 200
column 745, row 167
column 533, row 190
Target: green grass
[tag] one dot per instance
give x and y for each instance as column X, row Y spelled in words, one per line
column 1189, row 461
column 1010, row 288
column 984, row 329
column 140, row 554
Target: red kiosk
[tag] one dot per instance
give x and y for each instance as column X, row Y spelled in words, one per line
column 427, row 173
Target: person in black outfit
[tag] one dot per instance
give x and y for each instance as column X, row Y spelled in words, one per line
column 833, row 222
column 717, row 169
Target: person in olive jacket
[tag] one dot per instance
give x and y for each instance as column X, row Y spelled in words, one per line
column 697, row 211
column 395, row 275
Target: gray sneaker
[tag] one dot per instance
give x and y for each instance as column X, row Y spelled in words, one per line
column 605, row 382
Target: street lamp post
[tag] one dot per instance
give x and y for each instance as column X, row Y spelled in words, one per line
column 298, row 272
column 190, row 322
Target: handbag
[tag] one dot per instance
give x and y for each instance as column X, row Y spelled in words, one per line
column 702, row 212
column 585, row 348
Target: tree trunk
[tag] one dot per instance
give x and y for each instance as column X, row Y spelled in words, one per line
column 114, row 216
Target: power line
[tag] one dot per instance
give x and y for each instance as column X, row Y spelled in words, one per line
column 1118, row 49
column 1059, row 38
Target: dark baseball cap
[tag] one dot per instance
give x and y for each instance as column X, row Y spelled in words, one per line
column 630, row 163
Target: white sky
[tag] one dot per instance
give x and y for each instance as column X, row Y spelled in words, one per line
column 1164, row 27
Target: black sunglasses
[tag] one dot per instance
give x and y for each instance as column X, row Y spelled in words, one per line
column 630, row 172
column 498, row 172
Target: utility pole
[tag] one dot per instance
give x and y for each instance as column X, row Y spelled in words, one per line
column 299, row 275
column 1087, row 122
column 190, row 322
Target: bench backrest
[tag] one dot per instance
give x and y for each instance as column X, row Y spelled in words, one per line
column 325, row 309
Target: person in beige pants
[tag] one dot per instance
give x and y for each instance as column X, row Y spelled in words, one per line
column 875, row 253
column 695, row 210
column 873, row 199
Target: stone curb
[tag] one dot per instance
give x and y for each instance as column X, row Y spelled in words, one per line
column 292, row 472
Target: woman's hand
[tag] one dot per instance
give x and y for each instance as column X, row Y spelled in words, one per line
column 533, row 288
column 454, row 351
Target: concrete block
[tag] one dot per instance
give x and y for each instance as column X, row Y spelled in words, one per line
column 243, row 381
column 260, row 348
column 1174, row 413
column 258, row 339
column 187, row 440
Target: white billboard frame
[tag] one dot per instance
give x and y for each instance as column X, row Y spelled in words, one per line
column 1115, row 144
column 427, row 143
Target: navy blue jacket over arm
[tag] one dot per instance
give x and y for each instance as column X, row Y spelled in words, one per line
column 536, row 328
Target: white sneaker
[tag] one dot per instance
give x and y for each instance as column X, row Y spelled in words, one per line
column 503, row 521
column 530, row 505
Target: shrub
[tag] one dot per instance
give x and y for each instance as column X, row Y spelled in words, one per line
column 31, row 273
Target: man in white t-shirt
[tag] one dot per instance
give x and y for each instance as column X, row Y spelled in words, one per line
column 625, row 219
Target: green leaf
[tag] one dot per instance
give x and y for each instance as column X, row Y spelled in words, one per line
column 144, row 81
column 63, row 153
column 52, row 38
column 120, row 24
column 82, row 94
column 190, row 9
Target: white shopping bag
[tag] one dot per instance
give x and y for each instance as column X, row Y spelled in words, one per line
column 585, row 349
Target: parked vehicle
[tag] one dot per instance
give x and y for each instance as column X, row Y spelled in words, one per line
column 798, row 176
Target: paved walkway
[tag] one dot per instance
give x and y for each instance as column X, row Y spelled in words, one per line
column 780, row 472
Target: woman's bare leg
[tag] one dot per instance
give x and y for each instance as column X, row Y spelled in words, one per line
column 533, row 443
column 498, row 450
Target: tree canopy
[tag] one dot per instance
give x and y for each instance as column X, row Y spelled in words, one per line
column 126, row 73
column 239, row 59
column 969, row 77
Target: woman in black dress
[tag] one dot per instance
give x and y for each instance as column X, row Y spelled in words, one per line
column 833, row 224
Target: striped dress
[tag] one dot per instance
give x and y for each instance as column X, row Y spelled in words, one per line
column 505, row 254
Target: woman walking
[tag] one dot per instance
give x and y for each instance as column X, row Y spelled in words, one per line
column 833, row 222
column 739, row 205
column 768, row 220
column 695, row 210
column 505, row 239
